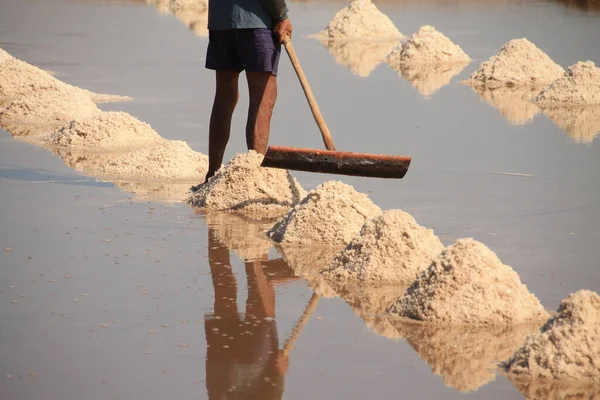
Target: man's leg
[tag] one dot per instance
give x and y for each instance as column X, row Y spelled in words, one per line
column 262, row 88
column 226, row 98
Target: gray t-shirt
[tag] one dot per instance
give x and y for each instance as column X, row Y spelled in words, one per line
column 237, row 14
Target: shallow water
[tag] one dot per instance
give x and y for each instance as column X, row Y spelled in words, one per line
column 529, row 192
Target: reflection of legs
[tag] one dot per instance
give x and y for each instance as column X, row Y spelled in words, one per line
column 262, row 88
column 226, row 98
column 224, row 282
column 261, row 294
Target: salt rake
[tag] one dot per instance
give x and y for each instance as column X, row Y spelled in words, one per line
column 330, row 161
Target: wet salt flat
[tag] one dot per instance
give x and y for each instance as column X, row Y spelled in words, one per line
column 106, row 295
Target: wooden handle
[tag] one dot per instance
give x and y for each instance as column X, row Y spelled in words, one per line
column 312, row 102
column 310, row 307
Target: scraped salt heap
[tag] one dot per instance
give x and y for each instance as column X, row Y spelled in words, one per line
column 106, row 131
column 567, row 347
column 428, row 46
column 468, row 284
column 332, row 214
column 519, row 63
column 360, row 20
column 244, row 185
column 391, row 247
column 579, row 86
column 171, row 160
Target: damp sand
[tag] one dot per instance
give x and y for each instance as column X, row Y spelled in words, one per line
column 332, row 214
column 580, row 86
column 360, row 20
column 518, row 63
column 243, row 185
column 468, row 284
column 428, row 46
column 391, row 247
column 464, row 356
column 361, row 57
column 106, row 131
column 513, row 103
column 567, row 347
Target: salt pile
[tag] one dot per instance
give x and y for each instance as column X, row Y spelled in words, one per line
column 243, row 236
column 193, row 13
column 171, row 160
column 428, row 46
column 567, row 347
column 513, row 103
column 361, row 57
column 428, row 79
column 579, row 86
column 47, row 109
column 582, row 124
column 361, row 20
column 200, row 5
column 519, row 63
column 468, row 284
column 332, row 214
column 464, row 356
column 4, row 56
column 106, row 131
column 392, row 247
column 244, row 185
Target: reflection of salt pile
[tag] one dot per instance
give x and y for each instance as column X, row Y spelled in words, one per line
column 391, row 247
column 428, row 46
column 579, row 86
column 519, row 63
column 244, row 185
column 567, row 347
column 193, row 13
column 46, row 110
column 329, row 215
column 582, row 124
column 464, row 356
column 307, row 262
column 106, row 131
column 245, row 237
column 555, row 390
column 428, row 60
column 360, row 20
column 361, row 57
column 513, row 103
column 171, row 160
column 468, row 284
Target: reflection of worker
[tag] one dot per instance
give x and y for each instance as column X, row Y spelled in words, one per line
column 244, row 35
column 243, row 358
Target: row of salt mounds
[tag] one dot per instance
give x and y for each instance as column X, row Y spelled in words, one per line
column 518, row 63
column 428, row 60
column 18, row 78
column 579, row 86
column 171, row 160
column 332, row 214
column 468, row 284
column 244, row 185
column 567, row 347
column 106, row 131
column 391, row 247
column 360, row 20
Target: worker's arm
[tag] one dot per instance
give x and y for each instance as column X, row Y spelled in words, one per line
column 278, row 10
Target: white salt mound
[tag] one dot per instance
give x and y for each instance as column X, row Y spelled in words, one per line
column 244, row 185
column 106, row 131
column 519, row 63
column 567, row 347
column 4, row 56
column 49, row 107
column 391, row 247
column 332, row 214
column 200, row 5
column 171, row 160
column 361, row 20
column 468, row 284
column 428, row 46
column 579, row 86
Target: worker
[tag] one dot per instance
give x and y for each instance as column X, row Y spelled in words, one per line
column 243, row 35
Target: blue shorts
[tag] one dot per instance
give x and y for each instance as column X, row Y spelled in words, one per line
column 252, row 50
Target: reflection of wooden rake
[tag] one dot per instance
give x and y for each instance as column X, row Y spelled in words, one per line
column 310, row 307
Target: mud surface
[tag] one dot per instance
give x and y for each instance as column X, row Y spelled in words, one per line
column 106, row 294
